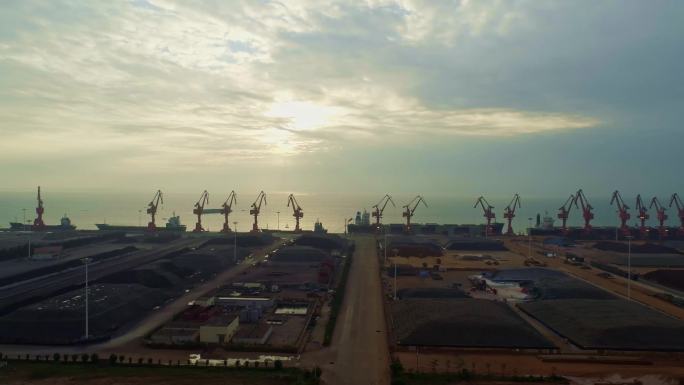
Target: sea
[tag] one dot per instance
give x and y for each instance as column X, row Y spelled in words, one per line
column 332, row 209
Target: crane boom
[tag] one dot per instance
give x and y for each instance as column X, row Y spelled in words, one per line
column 256, row 210
column 409, row 211
column 226, row 209
column 378, row 211
column 297, row 211
column 199, row 210
column 152, row 209
column 661, row 215
column 623, row 213
column 643, row 217
column 587, row 208
column 38, row 223
column 564, row 211
column 680, row 211
column 509, row 212
column 488, row 213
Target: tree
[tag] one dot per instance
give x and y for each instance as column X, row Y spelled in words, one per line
column 396, row 368
column 140, row 361
column 74, row 357
column 150, row 361
column 122, row 358
column 84, row 357
column 317, row 372
column 95, row 359
column 256, row 364
column 277, row 364
column 237, row 363
column 56, row 357
column 113, row 359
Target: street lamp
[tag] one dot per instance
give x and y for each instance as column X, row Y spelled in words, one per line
column 86, row 261
column 278, row 212
column 629, row 267
column 235, row 245
column 529, row 238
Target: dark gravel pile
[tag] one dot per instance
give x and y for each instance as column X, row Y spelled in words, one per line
column 670, row 278
column 646, row 248
column 552, row 284
column 435, row 292
column 463, row 323
column 613, row 324
column 326, row 242
column 651, row 260
column 475, row 244
column 299, row 254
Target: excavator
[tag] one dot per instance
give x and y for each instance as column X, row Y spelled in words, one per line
column 152, row 209
column 662, row 217
column 623, row 213
column 586, row 210
column 199, row 210
column 509, row 213
column 488, row 213
column 226, row 209
column 680, row 211
column 378, row 210
column 564, row 211
column 643, row 217
column 297, row 212
column 256, row 210
column 409, row 211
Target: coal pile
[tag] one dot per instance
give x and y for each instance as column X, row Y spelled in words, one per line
column 299, row 254
column 60, row 320
column 612, row 325
column 551, row 284
column 436, row 293
column 650, row 260
column 326, row 242
column 463, row 323
column 670, row 278
column 415, row 248
column 243, row 240
column 646, row 248
column 476, row 244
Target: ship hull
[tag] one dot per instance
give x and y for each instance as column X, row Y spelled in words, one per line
column 16, row 226
column 137, row 229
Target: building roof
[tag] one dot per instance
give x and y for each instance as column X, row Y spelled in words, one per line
column 257, row 331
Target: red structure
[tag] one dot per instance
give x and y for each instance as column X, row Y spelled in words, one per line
column 226, row 209
column 662, row 217
column 409, row 211
column 38, row 223
column 680, row 211
column 199, row 210
column 509, row 213
column 586, row 210
column 643, row 217
column 488, row 213
column 623, row 213
column 152, row 209
column 564, row 212
column 297, row 211
column 256, row 210
column 377, row 210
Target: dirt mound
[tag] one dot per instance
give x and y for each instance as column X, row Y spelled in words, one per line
column 670, row 278
column 646, row 248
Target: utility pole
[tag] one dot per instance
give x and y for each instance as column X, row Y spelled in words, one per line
column 87, row 317
column 629, row 267
column 235, row 245
column 529, row 239
column 278, row 212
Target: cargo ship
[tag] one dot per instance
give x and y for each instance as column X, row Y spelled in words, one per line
column 174, row 225
column 64, row 225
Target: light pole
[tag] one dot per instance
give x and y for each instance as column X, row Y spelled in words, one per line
column 395, row 273
column 278, row 212
column 87, row 317
column 235, row 244
column 529, row 238
column 139, row 217
column 629, row 267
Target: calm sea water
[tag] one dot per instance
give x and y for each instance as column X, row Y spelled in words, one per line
column 86, row 209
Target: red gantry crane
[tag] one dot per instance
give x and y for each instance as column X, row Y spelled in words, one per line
column 586, row 210
column 488, row 213
column 256, row 210
column 643, row 217
column 680, row 211
column 623, row 213
column 378, row 210
column 509, row 213
column 199, row 210
column 226, row 209
column 297, row 211
column 38, row 223
column 409, row 211
column 662, row 217
column 564, row 211
column 152, row 209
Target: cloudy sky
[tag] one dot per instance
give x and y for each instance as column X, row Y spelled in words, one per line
column 457, row 97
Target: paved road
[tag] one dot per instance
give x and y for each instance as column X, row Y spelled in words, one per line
column 359, row 353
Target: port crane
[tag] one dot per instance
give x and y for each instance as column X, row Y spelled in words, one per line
column 509, row 213
column 680, row 211
column 660, row 214
column 564, row 211
column 623, row 213
column 297, row 211
column 586, row 210
column 256, row 210
column 409, row 211
column 643, row 216
column 226, row 209
column 152, row 209
column 378, row 210
column 199, row 210
column 488, row 213
column 38, row 223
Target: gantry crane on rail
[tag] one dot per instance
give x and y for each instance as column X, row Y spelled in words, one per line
column 409, row 211
column 509, row 213
column 226, row 209
column 622, row 212
column 38, row 223
column 378, row 210
column 152, row 210
column 297, row 211
column 586, row 210
column 199, row 210
column 662, row 217
column 488, row 213
column 564, row 211
column 256, row 210
column 643, row 217
column 680, row 211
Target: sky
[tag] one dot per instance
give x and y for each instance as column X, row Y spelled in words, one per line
column 404, row 96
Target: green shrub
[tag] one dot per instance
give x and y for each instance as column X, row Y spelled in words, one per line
column 95, row 359
column 85, row 357
column 56, row 357
column 277, row 364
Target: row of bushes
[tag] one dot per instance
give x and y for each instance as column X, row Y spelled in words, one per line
column 336, row 304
